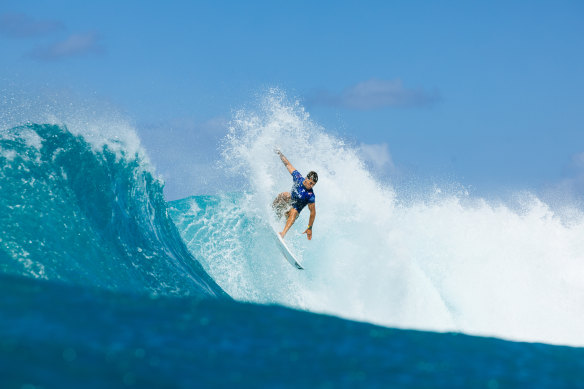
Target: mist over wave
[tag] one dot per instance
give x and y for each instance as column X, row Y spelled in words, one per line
column 443, row 261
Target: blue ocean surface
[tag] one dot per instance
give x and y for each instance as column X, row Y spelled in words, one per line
column 104, row 284
column 57, row 335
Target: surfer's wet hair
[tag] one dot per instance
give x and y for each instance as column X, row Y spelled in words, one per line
column 312, row 176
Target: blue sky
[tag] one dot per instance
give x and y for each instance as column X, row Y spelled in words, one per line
column 489, row 94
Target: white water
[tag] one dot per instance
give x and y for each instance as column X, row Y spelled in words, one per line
column 443, row 262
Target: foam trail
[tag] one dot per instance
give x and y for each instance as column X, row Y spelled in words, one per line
column 445, row 262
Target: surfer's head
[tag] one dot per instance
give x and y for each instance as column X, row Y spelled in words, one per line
column 311, row 180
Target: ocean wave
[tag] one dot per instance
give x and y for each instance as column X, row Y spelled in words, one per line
column 441, row 260
column 89, row 213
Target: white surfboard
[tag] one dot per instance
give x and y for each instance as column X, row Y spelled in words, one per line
column 286, row 251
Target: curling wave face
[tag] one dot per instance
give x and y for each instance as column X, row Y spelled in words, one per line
column 89, row 213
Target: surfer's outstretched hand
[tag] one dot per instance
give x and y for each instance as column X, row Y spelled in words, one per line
column 308, row 233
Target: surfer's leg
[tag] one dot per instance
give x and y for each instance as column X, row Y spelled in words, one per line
column 287, row 213
column 292, row 215
column 283, row 197
column 281, row 204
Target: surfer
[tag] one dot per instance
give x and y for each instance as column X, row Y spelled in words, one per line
column 290, row 204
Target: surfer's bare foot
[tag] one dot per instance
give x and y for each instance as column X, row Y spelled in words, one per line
column 281, row 235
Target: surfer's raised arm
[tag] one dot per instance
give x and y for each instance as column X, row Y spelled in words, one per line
column 286, row 162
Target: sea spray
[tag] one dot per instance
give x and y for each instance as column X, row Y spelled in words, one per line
column 442, row 261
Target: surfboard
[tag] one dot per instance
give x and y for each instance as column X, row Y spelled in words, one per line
column 286, row 251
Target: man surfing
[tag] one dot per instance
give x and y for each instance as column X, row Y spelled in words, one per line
column 290, row 204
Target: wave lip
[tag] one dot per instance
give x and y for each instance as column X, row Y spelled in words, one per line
column 83, row 214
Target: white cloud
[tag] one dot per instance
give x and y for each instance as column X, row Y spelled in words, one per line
column 73, row 45
column 23, row 26
column 570, row 188
column 376, row 94
column 378, row 156
column 578, row 162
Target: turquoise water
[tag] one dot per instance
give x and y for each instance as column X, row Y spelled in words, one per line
column 104, row 284
column 92, row 217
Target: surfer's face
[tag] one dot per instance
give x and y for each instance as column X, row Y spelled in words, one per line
column 308, row 184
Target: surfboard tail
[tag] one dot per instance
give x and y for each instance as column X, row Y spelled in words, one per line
column 286, row 251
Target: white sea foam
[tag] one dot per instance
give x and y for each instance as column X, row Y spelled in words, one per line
column 445, row 261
